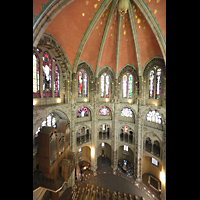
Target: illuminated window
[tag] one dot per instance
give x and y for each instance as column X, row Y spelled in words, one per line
column 46, row 75
column 82, row 84
column 126, row 129
column 104, row 86
column 104, row 111
column 125, row 148
column 151, row 86
column 126, row 112
column 153, row 116
column 82, row 112
column 36, row 76
column 158, row 83
column 127, row 86
column 155, row 86
column 49, row 120
column 124, row 89
column 56, row 81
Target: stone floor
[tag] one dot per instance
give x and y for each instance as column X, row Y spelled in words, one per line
column 119, row 182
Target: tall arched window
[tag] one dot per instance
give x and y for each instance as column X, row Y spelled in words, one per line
column 56, row 81
column 36, row 76
column 46, row 74
column 104, row 86
column 127, row 86
column 82, row 84
column 155, row 86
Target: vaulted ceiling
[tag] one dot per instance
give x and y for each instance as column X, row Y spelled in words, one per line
column 94, row 32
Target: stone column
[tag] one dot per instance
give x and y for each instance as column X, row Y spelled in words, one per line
column 139, row 144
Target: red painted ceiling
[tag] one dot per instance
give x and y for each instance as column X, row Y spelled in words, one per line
column 71, row 23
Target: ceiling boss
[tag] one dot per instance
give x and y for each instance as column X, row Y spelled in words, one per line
column 123, row 7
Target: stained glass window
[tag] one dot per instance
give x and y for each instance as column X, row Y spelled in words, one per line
column 79, row 84
column 82, row 84
column 127, row 86
column 107, row 86
column 82, row 112
column 104, row 111
column 151, row 84
column 124, row 89
column 126, row 112
column 85, row 85
column 36, row 76
column 46, row 75
column 153, row 116
column 104, row 86
column 126, row 129
column 158, row 83
column 56, row 81
column 155, row 86
column 130, row 84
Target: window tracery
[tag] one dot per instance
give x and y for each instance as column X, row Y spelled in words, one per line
column 46, row 74
column 104, row 111
column 127, row 86
column 126, row 112
column 82, row 83
column 104, row 86
column 153, row 116
column 36, row 76
column 82, row 112
column 155, row 85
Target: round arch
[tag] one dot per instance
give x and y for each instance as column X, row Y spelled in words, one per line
column 103, row 156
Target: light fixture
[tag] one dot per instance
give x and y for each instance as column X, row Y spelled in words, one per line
column 58, row 100
column 129, row 101
column 92, row 152
column 107, row 99
column 34, row 102
column 123, row 7
column 85, row 100
column 156, row 104
column 162, row 177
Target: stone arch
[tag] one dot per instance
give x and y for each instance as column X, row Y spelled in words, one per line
column 107, row 69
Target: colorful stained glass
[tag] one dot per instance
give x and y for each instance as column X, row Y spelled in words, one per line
column 130, row 84
column 126, row 129
column 82, row 112
column 126, row 112
column 158, row 83
column 107, row 86
column 124, row 87
column 36, row 76
column 82, row 84
column 153, row 116
column 151, row 84
column 46, row 75
column 56, row 81
column 85, row 85
column 102, row 85
column 104, row 111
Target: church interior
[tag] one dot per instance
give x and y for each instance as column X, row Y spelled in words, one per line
column 99, row 99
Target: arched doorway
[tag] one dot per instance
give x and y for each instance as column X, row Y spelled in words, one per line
column 83, row 161
column 126, row 160
column 104, row 156
column 151, row 168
